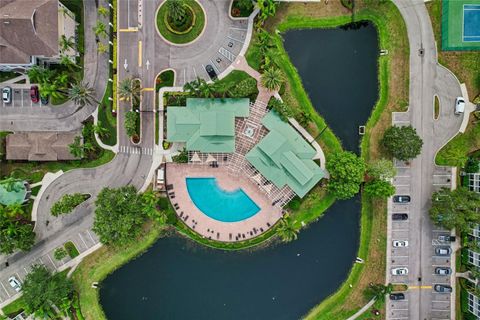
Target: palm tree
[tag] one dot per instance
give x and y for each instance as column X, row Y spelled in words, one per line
column 193, row 86
column 67, row 62
column 82, row 94
column 100, row 29
column 129, row 90
column 287, row 230
column 103, row 11
column 66, row 43
column 76, row 148
column 100, row 130
column 176, row 9
column 272, row 79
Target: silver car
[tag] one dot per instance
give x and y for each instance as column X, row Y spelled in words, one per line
column 7, row 95
column 459, row 105
column 443, row 251
column 15, row 283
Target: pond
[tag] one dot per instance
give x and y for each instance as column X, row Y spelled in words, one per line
column 338, row 68
column 177, row 279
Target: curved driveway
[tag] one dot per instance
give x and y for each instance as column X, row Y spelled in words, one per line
column 421, row 177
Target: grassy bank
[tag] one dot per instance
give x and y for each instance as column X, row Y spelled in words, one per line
column 393, row 96
column 98, row 265
column 106, row 117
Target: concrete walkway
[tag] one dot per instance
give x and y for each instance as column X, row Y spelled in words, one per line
column 363, row 310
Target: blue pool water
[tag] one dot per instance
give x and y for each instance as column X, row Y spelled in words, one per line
column 219, row 204
column 471, row 22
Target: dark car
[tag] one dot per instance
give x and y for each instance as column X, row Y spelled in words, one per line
column 34, row 94
column 446, row 238
column 442, row 288
column 397, row 296
column 44, row 100
column 443, row 271
column 399, row 216
column 211, row 72
column 401, row 199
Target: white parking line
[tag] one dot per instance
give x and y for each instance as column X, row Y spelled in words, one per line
column 83, row 240
column 91, row 236
column 231, row 38
column 400, row 256
column 442, row 301
column 401, row 185
column 52, row 261
column 243, row 29
column 8, row 294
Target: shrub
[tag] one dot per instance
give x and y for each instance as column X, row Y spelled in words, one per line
column 244, row 88
column 131, row 119
column 59, row 253
column 182, row 157
column 67, row 203
column 282, row 109
column 472, row 165
column 379, row 189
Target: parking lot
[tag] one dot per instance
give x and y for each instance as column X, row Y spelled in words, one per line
column 20, row 97
column 222, row 58
column 440, row 303
column 82, row 241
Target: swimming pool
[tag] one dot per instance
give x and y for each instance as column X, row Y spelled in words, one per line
column 219, row 204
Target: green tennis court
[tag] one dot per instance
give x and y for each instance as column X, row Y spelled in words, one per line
column 461, row 25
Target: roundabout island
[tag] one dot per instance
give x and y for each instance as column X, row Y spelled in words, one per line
column 180, row 22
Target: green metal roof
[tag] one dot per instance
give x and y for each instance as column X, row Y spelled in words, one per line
column 206, row 125
column 285, row 158
column 16, row 195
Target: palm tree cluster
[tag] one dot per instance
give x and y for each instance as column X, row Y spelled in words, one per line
column 287, row 230
column 66, row 43
column 202, row 89
column 15, row 231
column 50, row 83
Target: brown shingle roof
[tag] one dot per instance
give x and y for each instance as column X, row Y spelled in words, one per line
column 28, row 28
column 40, row 146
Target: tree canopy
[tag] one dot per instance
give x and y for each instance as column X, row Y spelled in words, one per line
column 42, row 290
column 402, row 142
column 67, row 203
column 346, row 173
column 119, row 215
column 381, row 169
column 379, row 188
column 455, row 209
column 16, row 233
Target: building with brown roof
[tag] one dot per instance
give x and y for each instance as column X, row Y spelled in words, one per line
column 30, row 32
column 40, row 146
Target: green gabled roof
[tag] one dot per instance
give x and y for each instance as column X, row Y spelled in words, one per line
column 206, row 125
column 285, row 158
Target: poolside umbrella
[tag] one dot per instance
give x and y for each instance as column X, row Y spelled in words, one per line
column 257, row 178
column 195, row 158
column 210, row 158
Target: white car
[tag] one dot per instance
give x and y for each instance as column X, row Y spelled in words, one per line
column 400, row 243
column 459, row 105
column 399, row 271
column 7, row 95
column 15, row 284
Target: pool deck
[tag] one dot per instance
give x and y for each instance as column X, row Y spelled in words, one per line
column 207, row 227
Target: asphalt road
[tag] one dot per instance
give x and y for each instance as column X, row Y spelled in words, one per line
column 421, row 177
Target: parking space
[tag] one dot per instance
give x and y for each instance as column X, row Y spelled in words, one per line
column 20, row 98
column 221, row 58
column 83, row 241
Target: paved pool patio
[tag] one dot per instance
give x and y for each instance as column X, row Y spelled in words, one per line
column 207, row 227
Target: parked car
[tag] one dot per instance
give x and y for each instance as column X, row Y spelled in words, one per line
column 442, row 288
column 44, row 100
column 446, row 238
column 211, row 72
column 399, row 271
column 401, row 199
column 34, row 94
column 7, row 95
column 400, row 243
column 399, row 216
column 397, row 296
column 15, row 284
column 443, row 271
column 443, row 251
column 459, row 106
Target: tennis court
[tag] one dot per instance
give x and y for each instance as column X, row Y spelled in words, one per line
column 461, row 25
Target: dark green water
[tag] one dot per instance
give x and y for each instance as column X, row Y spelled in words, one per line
column 339, row 72
column 177, row 279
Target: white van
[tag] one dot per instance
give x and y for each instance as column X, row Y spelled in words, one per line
column 459, row 105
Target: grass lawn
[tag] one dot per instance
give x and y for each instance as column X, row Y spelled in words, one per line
column 164, row 79
column 15, row 307
column 7, row 75
column 71, row 249
column 192, row 34
column 106, row 117
column 101, row 263
column 466, row 66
